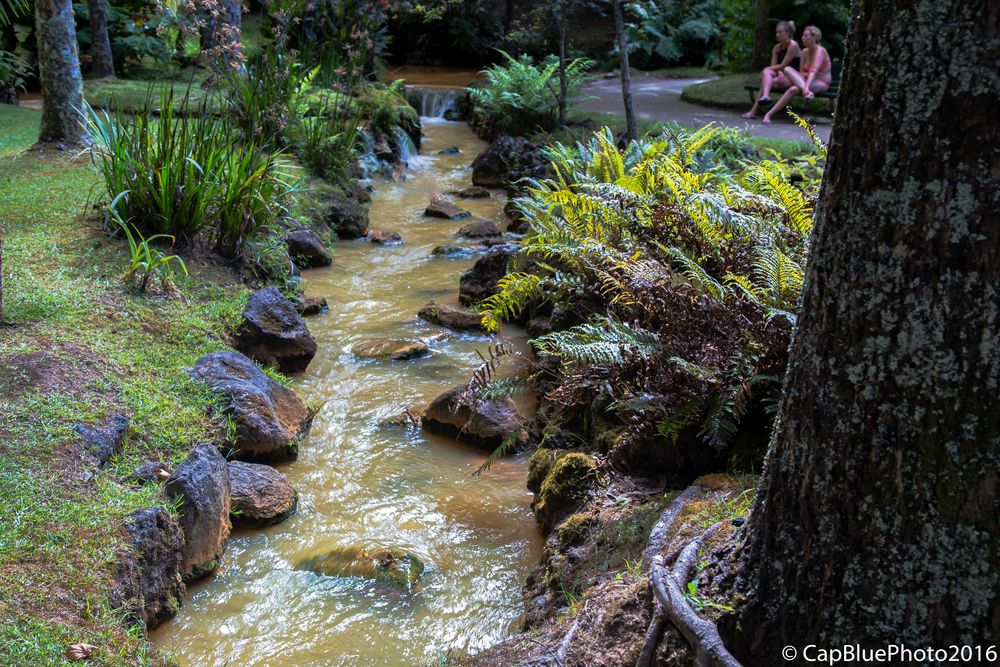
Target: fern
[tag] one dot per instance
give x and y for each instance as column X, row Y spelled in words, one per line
column 600, row 342
column 811, row 131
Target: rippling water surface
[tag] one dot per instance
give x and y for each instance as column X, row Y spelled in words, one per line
column 365, row 485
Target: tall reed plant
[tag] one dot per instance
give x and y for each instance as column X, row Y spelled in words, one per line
column 187, row 175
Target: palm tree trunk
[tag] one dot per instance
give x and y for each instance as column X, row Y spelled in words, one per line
column 59, row 72
column 632, row 131
column 101, row 62
column 761, row 57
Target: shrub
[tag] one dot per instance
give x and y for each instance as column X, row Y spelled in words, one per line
column 183, row 176
column 677, row 281
column 520, row 96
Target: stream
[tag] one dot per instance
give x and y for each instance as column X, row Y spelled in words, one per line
column 362, row 484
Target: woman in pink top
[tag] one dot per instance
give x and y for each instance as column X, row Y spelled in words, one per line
column 814, row 75
column 785, row 54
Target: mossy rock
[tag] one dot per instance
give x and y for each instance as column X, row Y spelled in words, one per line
column 575, row 528
column 565, row 489
column 539, row 465
column 394, row 566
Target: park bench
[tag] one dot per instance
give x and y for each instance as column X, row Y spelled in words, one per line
column 829, row 94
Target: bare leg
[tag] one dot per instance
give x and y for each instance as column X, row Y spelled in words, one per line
column 796, row 78
column 782, row 103
column 766, row 79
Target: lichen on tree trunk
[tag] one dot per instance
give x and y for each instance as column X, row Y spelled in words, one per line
column 876, row 518
column 101, row 62
column 59, row 72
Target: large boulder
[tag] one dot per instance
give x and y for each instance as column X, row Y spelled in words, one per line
column 458, row 319
column 507, row 160
column 261, row 496
column 480, row 281
column 306, row 249
column 270, row 419
column 484, row 423
column 273, row 332
column 157, row 546
column 201, row 485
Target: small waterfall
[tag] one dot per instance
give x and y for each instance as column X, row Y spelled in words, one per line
column 434, row 102
column 404, row 144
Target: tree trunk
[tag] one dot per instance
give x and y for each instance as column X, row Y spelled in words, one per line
column 59, row 72
column 761, row 56
column 101, row 62
column 508, row 15
column 563, row 75
column 876, row 518
column 220, row 34
column 632, row 130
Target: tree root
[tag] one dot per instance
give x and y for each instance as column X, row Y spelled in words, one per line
column 669, row 584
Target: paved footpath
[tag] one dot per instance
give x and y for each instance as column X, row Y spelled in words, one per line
column 659, row 98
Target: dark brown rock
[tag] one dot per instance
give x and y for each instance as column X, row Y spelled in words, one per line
column 451, row 317
column 273, row 333
column 479, row 229
column 105, row 441
column 385, row 237
column 347, row 212
column 507, row 160
column 313, row 305
column 474, row 192
column 438, row 208
column 151, row 472
column 270, row 419
column 201, row 484
column 157, row 544
column 391, row 348
column 484, row 424
column 306, row 249
column 261, row 495
column 480, row 281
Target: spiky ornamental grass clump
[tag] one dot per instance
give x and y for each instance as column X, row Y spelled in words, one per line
column 185, row 176
column 684, row 277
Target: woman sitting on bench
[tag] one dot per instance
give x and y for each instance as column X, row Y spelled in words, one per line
column 785, row 54
column 815, row 75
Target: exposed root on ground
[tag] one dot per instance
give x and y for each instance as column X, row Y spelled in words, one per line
column 669, row 583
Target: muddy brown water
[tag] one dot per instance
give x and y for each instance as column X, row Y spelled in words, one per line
column 362, row 484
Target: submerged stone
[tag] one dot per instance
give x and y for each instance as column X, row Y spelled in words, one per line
column 442, row 209
column 391, row 348
column 394, row 566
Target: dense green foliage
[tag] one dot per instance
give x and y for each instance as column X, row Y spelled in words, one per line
column 521, row 96
column 187, row 175
column 671, row 282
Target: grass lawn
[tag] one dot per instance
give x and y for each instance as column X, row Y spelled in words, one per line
column 727, row 93
column 81, row 348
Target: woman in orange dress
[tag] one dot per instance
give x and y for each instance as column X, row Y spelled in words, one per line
column 814, row 75
column 785, row 54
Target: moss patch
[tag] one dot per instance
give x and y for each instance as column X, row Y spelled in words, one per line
column 566, row 487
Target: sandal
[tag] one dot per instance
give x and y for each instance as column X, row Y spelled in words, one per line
column 764, row 100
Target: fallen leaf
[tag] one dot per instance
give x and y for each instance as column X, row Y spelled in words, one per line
column 80, row 651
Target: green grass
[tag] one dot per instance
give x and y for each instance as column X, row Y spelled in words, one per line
column 130, row 94
column 83, row 348
column 727, row 93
